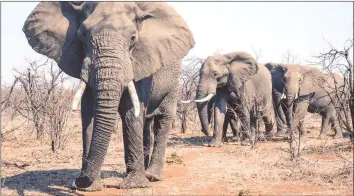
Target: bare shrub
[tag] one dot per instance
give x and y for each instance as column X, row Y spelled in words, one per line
column 57, row 113
column 189, row 82
column 338, row 64
column 42, row 99
column 10, row 96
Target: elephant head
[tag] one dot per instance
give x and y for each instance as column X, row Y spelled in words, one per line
column 289, row 79
column 231, row 69
column 108, row 45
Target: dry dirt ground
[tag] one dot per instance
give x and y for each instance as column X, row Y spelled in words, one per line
column 325, row 167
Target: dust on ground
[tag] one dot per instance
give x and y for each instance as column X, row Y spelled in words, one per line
column 325, row 167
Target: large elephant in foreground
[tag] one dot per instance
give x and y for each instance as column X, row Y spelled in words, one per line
column 236, row 76
column 311, row 90
column 128, row 58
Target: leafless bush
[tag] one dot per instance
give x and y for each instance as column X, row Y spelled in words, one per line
column 189, row 82
column 338, row 64
column 10, row 117
column 57, row 113
column 42, row 100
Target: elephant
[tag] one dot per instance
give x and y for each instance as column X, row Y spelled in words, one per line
column 308, row 89
column 230, row 117
column 237, row 78
column 128, row 58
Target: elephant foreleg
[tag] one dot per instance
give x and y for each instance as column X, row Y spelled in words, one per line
column 87, row 123
column 297, row 144
column 279, row 114
column 133, row 145
column 225, row 126
column 219, row 120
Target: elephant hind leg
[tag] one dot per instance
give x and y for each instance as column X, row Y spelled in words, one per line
column 225, row 126
column 335, row 127
column 235, row 129
column 324, row 127
column 162, row 126
column 148, row 140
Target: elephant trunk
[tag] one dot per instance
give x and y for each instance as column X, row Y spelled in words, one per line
column 111, row 75
column 291, row 95
column 203, row 116
column 203, row 110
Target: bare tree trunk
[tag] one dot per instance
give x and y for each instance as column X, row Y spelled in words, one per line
column 184, row 122
column 174, row 123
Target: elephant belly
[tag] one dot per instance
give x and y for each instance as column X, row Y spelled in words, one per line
column 164, row 82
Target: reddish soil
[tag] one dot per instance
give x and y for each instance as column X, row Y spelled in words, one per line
column 324, row 168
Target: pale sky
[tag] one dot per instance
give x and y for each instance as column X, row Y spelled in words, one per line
column 273, row 27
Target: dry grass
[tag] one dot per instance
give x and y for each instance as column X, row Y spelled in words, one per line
column 325, row 167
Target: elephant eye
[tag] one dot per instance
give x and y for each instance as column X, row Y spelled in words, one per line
column 132, row 42
column 215, row 75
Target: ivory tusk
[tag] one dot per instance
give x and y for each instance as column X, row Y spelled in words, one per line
column 207, row 98
column 296, row 95
column 187, row 101
column 77, row 97
column 134, row 97
column 283, row 96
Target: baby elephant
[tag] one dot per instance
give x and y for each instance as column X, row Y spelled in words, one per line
column 238, row 83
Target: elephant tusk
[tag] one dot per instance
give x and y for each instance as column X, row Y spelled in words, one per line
column 187, row 101
column 134, row 97
column 296, row 95
column 283, row 96
column 207, row 98
column 78, row 95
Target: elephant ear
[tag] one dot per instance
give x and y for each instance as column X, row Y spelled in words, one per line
column 242, row 67
column 242, row 64
column 273, row 67
column 163, row 38
column 51, row 31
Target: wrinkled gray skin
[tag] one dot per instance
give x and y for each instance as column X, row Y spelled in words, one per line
column 312, row 87
column 120, row 42
column 230, row 116
column 246, row 80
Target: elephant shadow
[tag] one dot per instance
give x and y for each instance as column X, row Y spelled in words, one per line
column 52, row 182
column 190, row 141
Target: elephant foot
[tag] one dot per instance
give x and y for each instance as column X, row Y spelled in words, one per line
column 235, row 139
column 261, row 137
column 322, row 136
column 225, row 139
column 153, row 175
column 246, row 142
column 214, row 143
column 281, row 133
column 135, row 181
column 270, row 135
column 338, row 136
column 84, row 183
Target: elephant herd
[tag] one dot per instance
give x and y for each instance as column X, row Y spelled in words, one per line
column 128, row 57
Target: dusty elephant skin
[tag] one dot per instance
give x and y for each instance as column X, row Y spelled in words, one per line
column 235, row 73
column 108, row 45
column 230, row 118
column 308, row 88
